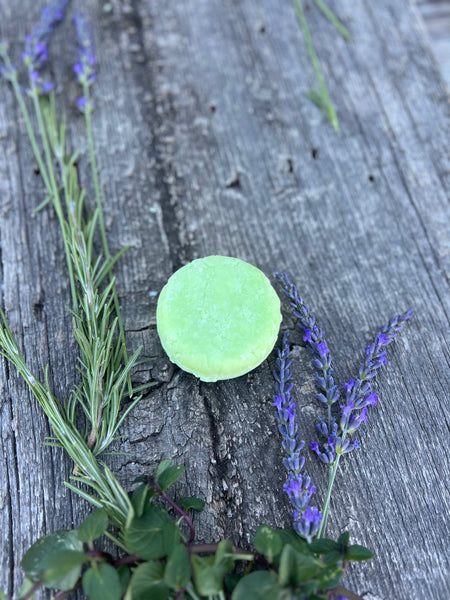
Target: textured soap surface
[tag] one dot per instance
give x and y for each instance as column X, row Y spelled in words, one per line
column 218, row 317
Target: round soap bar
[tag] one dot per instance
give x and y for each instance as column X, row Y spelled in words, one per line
column 218, row 317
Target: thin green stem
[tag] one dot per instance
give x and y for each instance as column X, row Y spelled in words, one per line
column 30, row 132
column 190, row 590
column 326, row 506
column 333, row 19
column 52, row 188
column 321, row 97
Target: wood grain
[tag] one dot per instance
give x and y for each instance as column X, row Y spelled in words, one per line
column 207, row 144
column 436, row 18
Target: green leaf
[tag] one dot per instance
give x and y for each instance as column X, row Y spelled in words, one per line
column 124, row 576
column 101, row 582
column 3, row 596
column 323, row 546
column 141, row 497
column 287, row 571
column 231, row 581
column 330, row 577
column 40, row 556
column 343, row 539
column 357, row 552
column 153, row 535
column 64, row 564
column 208, row 576
column 259, row 585
column 334, row 557
column 141, row 479
column 163, row 465
column 147, row 582
column 194, row 503
column 178, row 568
column 307, row 567
column 93, row 526
column 169, row 476
column 209, row 580
column 319, row 99
column 289, row 536
column 268, row 542
column 224, row 555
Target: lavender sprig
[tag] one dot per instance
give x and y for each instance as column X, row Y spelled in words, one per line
column 327, row 390
column 35, row 54
column 298, row 486
column 358, row 392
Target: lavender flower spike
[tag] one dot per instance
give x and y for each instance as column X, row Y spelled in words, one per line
column 298, row 485
column 314, row 337
column 358, row 392
column 35, row 53
column 84, row 68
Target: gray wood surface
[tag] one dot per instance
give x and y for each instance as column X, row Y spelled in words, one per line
column 436, row 17
column 208, row 145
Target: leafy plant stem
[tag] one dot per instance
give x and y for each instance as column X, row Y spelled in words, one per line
column 187, row 520
column 321, row 97
column 326, row 506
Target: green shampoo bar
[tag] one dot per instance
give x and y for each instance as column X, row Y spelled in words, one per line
column 218, row 317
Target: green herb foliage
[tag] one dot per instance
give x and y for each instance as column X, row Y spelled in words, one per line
column 164, row 564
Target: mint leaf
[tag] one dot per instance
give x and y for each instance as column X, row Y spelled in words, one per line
column 194, row 503
column 323, row 546
column 357, row 552
column 93, row 526
column 39, row 558
column 64, row 568
column 170, row 476
column 268, row 542
column 178, row 568
column 147, row 582
column 259, row 585
column 153, row 535
column 102, row 582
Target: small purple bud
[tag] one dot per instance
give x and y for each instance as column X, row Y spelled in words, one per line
column 307, row 335
column 322, row 348
column 371, row 399
column 81, row 103
column 382, row 339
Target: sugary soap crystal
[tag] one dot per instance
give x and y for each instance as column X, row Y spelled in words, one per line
column 218, row 317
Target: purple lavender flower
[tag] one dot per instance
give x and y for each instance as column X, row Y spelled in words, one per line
column 315, row 340
column 358, row 392
column 84, row 68
column 35, row 53
column 298, row 485
column 307, row 524
column 328, row 456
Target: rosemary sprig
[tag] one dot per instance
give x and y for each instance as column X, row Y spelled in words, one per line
column 103, row 363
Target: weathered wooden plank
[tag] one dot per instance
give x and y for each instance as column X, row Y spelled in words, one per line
column 436, row 16
column 207, row 144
